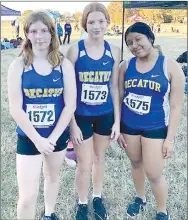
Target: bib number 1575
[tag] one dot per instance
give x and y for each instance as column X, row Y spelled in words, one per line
column 140, row 104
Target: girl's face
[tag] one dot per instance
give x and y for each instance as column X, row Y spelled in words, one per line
column 138, row 44
column 39, row 36
column 96, row 24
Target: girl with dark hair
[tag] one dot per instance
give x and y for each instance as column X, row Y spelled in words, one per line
column 151, row 95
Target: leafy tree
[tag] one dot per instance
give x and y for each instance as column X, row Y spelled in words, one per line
column 77, row 16
column 26, row 12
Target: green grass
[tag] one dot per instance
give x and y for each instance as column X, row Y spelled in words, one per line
column 118, row 184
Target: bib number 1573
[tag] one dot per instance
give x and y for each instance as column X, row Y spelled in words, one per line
column 94, row 94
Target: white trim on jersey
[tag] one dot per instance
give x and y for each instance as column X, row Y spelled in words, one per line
column 127, row 63
column 108, row 53
column 58, row 68
column 166, row 105
column 82, row 53
column 27, row 69
column 165, row 68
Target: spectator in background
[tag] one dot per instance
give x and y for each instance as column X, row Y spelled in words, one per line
column 59, row 32
column 76, row 28
column 158, row 28
column 17, row 31
column 17, row 27
column 68, row 30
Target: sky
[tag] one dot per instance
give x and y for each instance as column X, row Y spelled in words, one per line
column 59, row 6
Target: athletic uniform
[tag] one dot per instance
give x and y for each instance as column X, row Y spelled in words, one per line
column 43, row 103
column 145, row 109
column 94, row 111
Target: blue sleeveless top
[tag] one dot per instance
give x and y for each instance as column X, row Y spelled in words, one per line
column 93, row 78
column 146, row 98
column 42, row 99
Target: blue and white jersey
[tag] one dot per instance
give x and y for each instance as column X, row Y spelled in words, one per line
column 42, row 99
column 93, row 78
column 146, row 98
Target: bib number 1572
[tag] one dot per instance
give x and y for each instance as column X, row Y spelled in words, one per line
column 42, row 115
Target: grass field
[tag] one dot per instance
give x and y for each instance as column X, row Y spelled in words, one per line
column 118, row 185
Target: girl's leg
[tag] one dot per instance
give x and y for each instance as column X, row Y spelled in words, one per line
column 134, row 152
column 28, row 176
column 84, row 153
column 153, row 163
column 100, row 144
column 51, row 169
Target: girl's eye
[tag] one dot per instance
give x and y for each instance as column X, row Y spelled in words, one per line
column 129, row 43
column 33, row 31
column 138, row 39
column 44, row 30
column 91, row 22
column 101, row 21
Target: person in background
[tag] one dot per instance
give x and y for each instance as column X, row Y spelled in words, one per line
column 68, row 31
column 59, row 31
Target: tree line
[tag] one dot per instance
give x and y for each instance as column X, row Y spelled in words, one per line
column 115, row 10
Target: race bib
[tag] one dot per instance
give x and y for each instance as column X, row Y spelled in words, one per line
column 41, row 115
column 139, row 104
column 94, row 94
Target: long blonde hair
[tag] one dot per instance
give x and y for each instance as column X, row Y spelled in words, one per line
column 55, row 57
column 94, row 6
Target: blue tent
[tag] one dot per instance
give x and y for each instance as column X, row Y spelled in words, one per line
column 150, row 4
column 53, row 14
column 5, row 11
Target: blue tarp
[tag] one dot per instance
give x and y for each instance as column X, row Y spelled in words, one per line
column 5, row 11
column 156, row 4
column 53, row 14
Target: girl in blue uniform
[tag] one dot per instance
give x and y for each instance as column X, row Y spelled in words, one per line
column 151, row 94
column 97, row 116
column 42, row 102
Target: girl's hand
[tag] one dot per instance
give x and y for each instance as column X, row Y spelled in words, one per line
column 168, row 148
column 122, row 143
column 115, row 131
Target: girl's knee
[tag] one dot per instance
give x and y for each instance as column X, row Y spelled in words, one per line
column 136, row 164
column 52, row 178
column 84, row 167
column 153, row 178
column 27, row 200
column 99, row 159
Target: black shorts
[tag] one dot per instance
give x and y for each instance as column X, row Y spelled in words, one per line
column 26, row 147
column 160, row 133
column 101, row 125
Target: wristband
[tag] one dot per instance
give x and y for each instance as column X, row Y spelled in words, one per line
column 170, row 142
